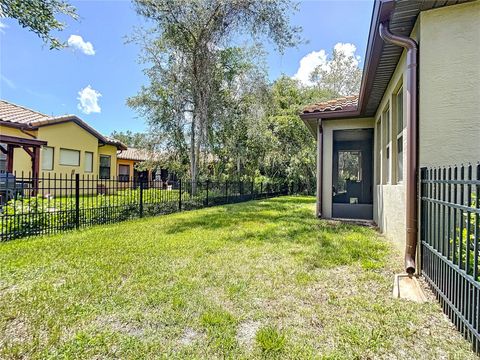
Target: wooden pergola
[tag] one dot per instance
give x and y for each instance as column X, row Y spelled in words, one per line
column 30, row 146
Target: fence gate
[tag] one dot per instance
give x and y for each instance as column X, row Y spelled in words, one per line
column 450, row 249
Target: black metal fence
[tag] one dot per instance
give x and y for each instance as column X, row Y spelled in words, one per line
column 450, row 231
column 46, row 205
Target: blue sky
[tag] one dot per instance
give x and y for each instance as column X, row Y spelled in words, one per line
column 50, row 81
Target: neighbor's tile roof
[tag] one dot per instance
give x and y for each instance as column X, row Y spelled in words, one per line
column 137, row 154
column 347, row 103
column 18, row 114
column 112, row 141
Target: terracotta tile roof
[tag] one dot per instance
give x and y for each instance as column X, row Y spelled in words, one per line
column 137, row 155
column 112, row 141
column 18, row 114
column 347, row 103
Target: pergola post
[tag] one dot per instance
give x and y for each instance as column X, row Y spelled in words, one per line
column 35, row 169
column 10, row 149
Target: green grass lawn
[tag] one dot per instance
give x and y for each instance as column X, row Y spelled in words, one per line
column 262, row 279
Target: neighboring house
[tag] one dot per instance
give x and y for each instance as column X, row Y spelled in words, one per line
column 36, row 144
column 409, row 114
column 128, row 165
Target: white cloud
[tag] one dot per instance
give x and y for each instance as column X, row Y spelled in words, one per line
column 348, row 49
column 77, row 42
column 310, row 61
column 88, row 100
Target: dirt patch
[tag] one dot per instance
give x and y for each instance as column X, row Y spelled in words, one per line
column 16, row 331
column 190, row 336
column 246, row 333
column 124, row 327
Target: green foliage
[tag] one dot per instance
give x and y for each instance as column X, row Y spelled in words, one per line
column 198, row 80
column 464, row 243
column 340, row 75
column 270, row 340
column 221, row 328
column 131, row 139
column 39, row 16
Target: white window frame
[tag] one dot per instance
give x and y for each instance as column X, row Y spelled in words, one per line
column 64, row 150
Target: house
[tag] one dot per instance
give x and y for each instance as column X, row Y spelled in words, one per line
column 129, row 165
column 35, row 144
column 417, row 107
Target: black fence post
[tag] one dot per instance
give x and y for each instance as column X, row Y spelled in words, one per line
column 141, row 198
column 206, row 190
column 261, row 189
column 423, row 212
column 77, row 201
column 253, row 190
column 180, row 195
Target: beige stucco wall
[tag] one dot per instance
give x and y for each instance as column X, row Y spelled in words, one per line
column 328, row 127
column 66, row 135
column 389, row 197
column 450, row 85
column 69, row 136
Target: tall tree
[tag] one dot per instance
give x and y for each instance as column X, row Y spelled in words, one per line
column 292, row 154
column 341, row 74
column 39, row 16
column 190, row 40
column 131, row 139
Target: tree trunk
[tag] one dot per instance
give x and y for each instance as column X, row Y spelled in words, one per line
column 193, row 157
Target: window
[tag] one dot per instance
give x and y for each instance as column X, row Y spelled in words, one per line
column 88, row 161
column 349, row 168
column 387, row 145
column 104, row 172
column 47, row 158
column 399, row 103
column 123, row 173
column 69, row 157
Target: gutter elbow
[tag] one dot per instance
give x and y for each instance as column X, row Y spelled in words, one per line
column 399, row 40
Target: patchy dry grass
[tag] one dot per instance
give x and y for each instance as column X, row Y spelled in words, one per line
column 263, row 279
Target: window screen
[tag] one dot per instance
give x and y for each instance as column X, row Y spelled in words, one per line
column 400, row 158
column 47, row 158
column 349, row 168
column 88, row 161
column 399, row 100
column 69, row 157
